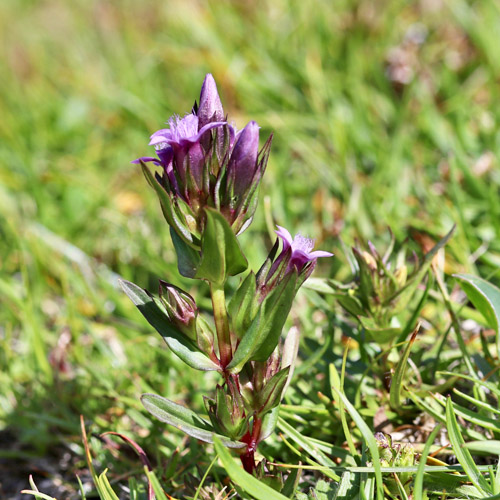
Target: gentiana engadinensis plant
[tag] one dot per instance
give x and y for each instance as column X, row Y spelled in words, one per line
column 207, row 183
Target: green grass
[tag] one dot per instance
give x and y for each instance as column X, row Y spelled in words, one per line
column 83, row 86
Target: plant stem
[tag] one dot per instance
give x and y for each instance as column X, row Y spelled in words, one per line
column 248, row 459
column 221, row 323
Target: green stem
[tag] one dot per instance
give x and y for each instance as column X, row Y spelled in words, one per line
column 221, row 323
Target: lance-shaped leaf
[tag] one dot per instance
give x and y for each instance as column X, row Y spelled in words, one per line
column 486, row 299
column 246, row 481
column 263, row 335
column 270, row 396
column 188, row 259
column 221, row 255
column 184, row 419
column 168, row 209
column 178, row 343
column 240, row 308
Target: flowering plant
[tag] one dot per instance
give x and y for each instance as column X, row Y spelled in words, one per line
column 207, row 186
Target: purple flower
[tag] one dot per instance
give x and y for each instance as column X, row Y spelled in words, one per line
column 301, row 248
column 179, row 146
column 183, row 132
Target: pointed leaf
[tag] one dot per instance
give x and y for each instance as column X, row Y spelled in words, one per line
column 463, row 455
column 188, row 259
column 240, row 307
column 168, row 209
column 221, row 255
column 397, row 379
column 178, row 343
column 243, row 479
column 486, row 299
column 184, row 419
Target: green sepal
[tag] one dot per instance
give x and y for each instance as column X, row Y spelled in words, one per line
column 232, row 424
column 188, row 259
column 168, row 209
column 221, row 255
column 184, row 419
column 181, row 345
column 270, row 396
column 263, row 335
column 204, row 336
column 241, row 307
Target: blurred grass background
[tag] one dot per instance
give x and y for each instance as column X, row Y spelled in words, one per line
column 385, row 113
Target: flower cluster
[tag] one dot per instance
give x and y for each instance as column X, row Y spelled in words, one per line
column 206, row 162
column 208, row 185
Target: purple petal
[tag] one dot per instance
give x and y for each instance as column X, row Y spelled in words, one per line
column 206, row 127
column 145, row 159
column 210, row 107
column 285, row 236
column 320, row 253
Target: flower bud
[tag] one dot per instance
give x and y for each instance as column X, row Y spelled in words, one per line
column 210, row 108
column 180, row 307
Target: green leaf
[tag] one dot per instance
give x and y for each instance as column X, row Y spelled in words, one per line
column 188, row 259
column 419, row 476
column 178, row 343
column 490, row 447
column 243, row 479
column 486, row 299
column 310, row 447
column 263, row 335
column 397, row 379
column 221, row 255
column 184, row 419
column 241, row 305
column 168, row 208
column 158, row 490
column 370, row 442
column 463, row 455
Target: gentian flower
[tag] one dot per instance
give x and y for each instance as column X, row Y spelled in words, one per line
column 296, row 256
column 301, row 247
column 182, row 134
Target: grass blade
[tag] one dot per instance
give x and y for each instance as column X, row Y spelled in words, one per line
column 463, row 455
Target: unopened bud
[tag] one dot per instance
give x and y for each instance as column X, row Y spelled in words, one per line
column 181, row 308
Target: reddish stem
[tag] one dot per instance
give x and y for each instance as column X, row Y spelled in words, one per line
column 252, row 440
